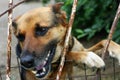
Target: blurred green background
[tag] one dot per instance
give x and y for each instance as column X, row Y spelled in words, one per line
column 92, row 17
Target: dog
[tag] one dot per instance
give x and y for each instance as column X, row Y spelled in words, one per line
column 41, row 33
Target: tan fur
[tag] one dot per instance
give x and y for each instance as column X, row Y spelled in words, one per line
column 44, row 17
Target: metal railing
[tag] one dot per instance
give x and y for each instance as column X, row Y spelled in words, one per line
column 112, row 70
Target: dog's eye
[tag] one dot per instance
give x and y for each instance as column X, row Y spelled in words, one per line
column 41, row 31
column 21, row 37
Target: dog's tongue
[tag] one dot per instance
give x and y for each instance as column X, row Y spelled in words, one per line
column 40, row 66
column 44, row 68
column 42, row 72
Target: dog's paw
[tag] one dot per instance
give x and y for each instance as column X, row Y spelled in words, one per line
column 115, row 55
column 114, row 50
column 93, row 60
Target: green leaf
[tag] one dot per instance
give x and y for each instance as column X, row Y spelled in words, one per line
column 87, row 30
column 80, row 36
column 79, row 31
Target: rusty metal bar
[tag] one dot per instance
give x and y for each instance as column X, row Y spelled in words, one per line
column 66, row 44
column 0, row 76
column 9, row 41
column 12, row 7
column 114, row 69
column 19, row 67
column 82, row 76
column 98, row 77
column 85, row 72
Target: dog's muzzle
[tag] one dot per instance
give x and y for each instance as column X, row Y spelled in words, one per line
column 42, row 69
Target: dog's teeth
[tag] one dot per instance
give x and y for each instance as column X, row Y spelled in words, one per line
column 44, row 69
column 42, row 73
column 34, row 72
column 37, row 75
column 46, row 58
column 44, row 62
column 48, row 54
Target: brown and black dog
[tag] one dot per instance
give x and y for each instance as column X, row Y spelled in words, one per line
column 41, row 33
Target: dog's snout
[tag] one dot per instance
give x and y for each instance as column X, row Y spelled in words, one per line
column 27, row 61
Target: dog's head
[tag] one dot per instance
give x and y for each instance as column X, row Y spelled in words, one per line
column 38, row 32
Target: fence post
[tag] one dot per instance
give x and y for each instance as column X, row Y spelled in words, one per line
column 9, row 41
column 68, row 33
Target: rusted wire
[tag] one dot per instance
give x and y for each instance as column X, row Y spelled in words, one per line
column 67, row 40
column 12, row 7
column 63, row 59
column 98, row 74
column 9, row 41
column 80, row 77
column 18, row 67
column 0, row 76
column 114, row 69
column 85, row 72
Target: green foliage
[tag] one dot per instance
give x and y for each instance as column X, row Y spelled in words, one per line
column 92, row 16
column 116, row 35
column 45, row 1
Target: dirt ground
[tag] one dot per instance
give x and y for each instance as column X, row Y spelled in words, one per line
column 3, row 42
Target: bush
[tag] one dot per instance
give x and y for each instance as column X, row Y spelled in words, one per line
column 92, row 16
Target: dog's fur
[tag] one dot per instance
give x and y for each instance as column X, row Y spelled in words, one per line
column 41, row 33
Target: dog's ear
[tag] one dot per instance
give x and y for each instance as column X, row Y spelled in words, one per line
column 14, row 25
column 61, row 15
column 56, row 7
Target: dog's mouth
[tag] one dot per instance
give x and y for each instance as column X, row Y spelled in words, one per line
column 44, row 68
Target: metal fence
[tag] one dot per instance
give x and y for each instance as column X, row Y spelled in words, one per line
column 111, row 72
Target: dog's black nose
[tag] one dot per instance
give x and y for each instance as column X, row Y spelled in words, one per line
column 27, row 61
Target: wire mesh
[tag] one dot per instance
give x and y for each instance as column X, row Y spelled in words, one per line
column 111, row 72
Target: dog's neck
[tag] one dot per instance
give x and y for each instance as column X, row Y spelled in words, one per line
column 55, row 64
column 59, row 49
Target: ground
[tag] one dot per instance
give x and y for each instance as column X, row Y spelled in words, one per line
column 3, row 41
